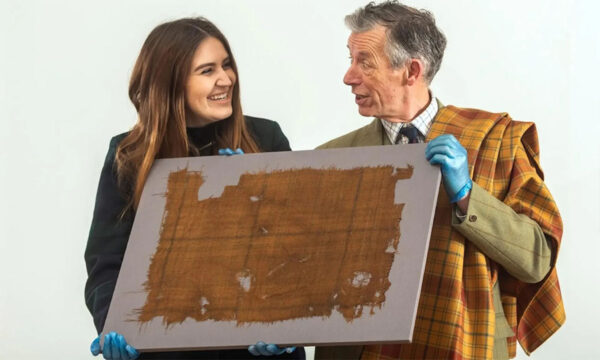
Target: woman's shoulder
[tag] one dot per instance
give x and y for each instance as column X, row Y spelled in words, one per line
column 261, row 127
column 116, row 140
column 267, row 133
column 113, row 145
column 260, row 123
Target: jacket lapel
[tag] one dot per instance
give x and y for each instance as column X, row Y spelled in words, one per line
column 372, row 135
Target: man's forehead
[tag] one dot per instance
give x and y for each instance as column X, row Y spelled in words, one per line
column 367, row 42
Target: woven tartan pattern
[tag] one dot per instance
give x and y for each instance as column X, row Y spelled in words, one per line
column 456, row 318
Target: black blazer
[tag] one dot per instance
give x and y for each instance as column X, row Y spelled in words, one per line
column 109, row 234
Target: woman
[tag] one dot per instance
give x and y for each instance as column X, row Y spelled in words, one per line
column 185, row 89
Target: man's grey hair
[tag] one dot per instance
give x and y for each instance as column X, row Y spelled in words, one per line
column 411, row 33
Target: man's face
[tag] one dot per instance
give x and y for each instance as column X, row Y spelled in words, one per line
column 378, row 87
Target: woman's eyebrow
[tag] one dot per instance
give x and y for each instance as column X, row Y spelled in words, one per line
column 204, row 65
column 227, row 59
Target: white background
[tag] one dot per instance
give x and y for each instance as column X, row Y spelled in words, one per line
column 64, row 69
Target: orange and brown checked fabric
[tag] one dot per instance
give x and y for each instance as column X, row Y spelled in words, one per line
column 455, row 318
column 282, row 245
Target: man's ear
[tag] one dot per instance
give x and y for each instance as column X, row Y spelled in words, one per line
column 414, row 71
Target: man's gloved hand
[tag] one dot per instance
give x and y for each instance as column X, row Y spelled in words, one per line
column 446, row 151
column 228, row 151
column 268, row 349
column 115, row 347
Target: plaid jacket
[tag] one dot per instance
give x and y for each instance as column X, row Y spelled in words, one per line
column 456, row 319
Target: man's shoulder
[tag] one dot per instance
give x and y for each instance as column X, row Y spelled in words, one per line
column 470, row 122
column 354, row 138
column 470, row 112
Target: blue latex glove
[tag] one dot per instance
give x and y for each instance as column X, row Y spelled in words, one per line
column 229, row 152
column 268, row 349
column 115, row 348
column 447, row 152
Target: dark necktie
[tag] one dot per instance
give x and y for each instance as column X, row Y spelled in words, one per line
column 410, row 132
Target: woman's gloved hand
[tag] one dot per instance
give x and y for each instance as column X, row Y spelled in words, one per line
column 260, row 348
column 447, row 152
column 229, row 152
column 115, row 348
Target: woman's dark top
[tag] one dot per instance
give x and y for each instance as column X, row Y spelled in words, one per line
column 109, row 233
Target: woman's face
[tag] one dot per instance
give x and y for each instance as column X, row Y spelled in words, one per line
column 209, row 87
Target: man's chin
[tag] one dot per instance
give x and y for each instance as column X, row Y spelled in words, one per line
column 365, row 111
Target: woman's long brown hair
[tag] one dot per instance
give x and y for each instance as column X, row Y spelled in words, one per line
column 157, row 90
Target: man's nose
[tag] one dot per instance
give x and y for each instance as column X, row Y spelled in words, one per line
column 351, row 77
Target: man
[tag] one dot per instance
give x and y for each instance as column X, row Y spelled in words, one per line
column 489, row 278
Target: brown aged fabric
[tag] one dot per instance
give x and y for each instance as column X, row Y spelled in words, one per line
column 455, row 318
column 282, row 245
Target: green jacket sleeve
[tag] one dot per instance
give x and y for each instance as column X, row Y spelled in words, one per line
column 512, row 240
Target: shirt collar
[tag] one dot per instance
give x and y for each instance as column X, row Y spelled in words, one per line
column 422, row 122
